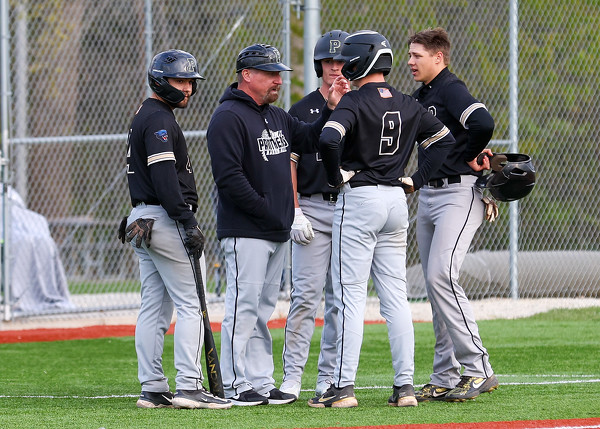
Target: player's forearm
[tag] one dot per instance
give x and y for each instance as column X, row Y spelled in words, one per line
column 329, row 148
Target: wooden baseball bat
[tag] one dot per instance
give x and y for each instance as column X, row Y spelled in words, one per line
column 215, row 381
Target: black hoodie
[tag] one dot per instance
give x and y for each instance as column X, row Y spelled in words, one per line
column 249, row 147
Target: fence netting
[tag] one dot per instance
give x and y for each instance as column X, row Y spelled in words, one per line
column 78, row 73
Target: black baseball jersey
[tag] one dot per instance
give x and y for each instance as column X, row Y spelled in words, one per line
column 381, row 126
column 311, row 175
column 159, row 171
column 447, row 98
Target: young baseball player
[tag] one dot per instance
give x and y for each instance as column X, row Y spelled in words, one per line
column 249, row 141
column 311, row 236
column 165, row 236
column 450, row 212
column 379, row 126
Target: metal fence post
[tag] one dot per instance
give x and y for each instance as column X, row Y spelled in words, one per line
column 514, row 142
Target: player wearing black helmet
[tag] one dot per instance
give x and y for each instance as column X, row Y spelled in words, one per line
column 249, row 142
column 165, row 235
column 379, row 126
column 314, row 201
column 451, row 209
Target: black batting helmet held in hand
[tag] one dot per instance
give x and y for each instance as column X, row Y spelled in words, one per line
column 512, row 176
column 261, row 57
column 173, row 63
column 363, row 53
column 328, row 46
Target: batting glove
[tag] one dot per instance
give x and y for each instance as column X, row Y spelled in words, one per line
column 491, row 209
column 121, row 230
column 302, row 232
column 194, row 241
column 407, row 184
column 346, row 175
column 141, row 230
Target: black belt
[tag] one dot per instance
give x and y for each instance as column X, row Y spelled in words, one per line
column 438, row 183
column 192, row 208
column 327, row 196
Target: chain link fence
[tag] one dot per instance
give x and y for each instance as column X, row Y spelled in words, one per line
column 77, row 73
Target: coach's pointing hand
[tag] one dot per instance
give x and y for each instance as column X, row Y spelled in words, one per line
column 194, row 241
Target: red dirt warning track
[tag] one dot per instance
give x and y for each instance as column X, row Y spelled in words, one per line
column 100, row 331
column 522, row 424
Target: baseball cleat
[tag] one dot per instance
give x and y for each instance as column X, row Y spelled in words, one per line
column 155, row 400
column 249, row 398
column 431, row 392
column 470, row 387
column 403, row 396
column 322, row 387
column 200, row 398
column 335, row 398
column 291, row 387
column 277, row 397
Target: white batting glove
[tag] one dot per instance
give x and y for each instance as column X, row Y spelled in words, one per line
column 407, row 184
column 346, row 176
column 302, row 232
column 491, row 209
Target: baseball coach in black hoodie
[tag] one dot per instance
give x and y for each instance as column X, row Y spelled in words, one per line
column 250, row 141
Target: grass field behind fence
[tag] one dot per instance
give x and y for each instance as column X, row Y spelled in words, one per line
column 548, row 367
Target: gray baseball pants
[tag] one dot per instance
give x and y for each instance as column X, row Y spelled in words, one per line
column 370, row 227
column 254, row 268
column 167, row 277
column 447, row 220
column 311, row 277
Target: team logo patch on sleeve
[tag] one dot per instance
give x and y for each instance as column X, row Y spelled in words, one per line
column 162, row 135
column 384, row 93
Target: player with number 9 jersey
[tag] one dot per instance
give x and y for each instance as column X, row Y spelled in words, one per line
column 380, row 126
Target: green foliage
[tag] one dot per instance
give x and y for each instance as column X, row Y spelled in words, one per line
column 550, row 359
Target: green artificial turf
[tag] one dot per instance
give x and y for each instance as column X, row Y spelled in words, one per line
column 548, row 367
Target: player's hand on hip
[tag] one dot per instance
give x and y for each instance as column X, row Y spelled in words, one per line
column 194, row 241
column 141, row 230
column 407, row 184
column 302, row 232
column 491, row 209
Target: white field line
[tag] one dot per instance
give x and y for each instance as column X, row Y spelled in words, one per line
column 540, row 383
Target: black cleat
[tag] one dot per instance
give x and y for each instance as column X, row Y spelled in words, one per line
column 470, row 388
column 403, row 396
column 249, row 398
column 277, row 397
column 155, row 400
column 335, row 398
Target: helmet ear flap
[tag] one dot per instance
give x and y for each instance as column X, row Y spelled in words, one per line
column 319, row 68
column 164, row 90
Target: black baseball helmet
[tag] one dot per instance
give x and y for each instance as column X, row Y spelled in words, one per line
column 512, row 176
column 261, row 57
column 172, row 63
column 365, row 52
column 328, row 46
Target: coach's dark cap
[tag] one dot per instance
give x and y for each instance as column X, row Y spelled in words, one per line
column 261, row 57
